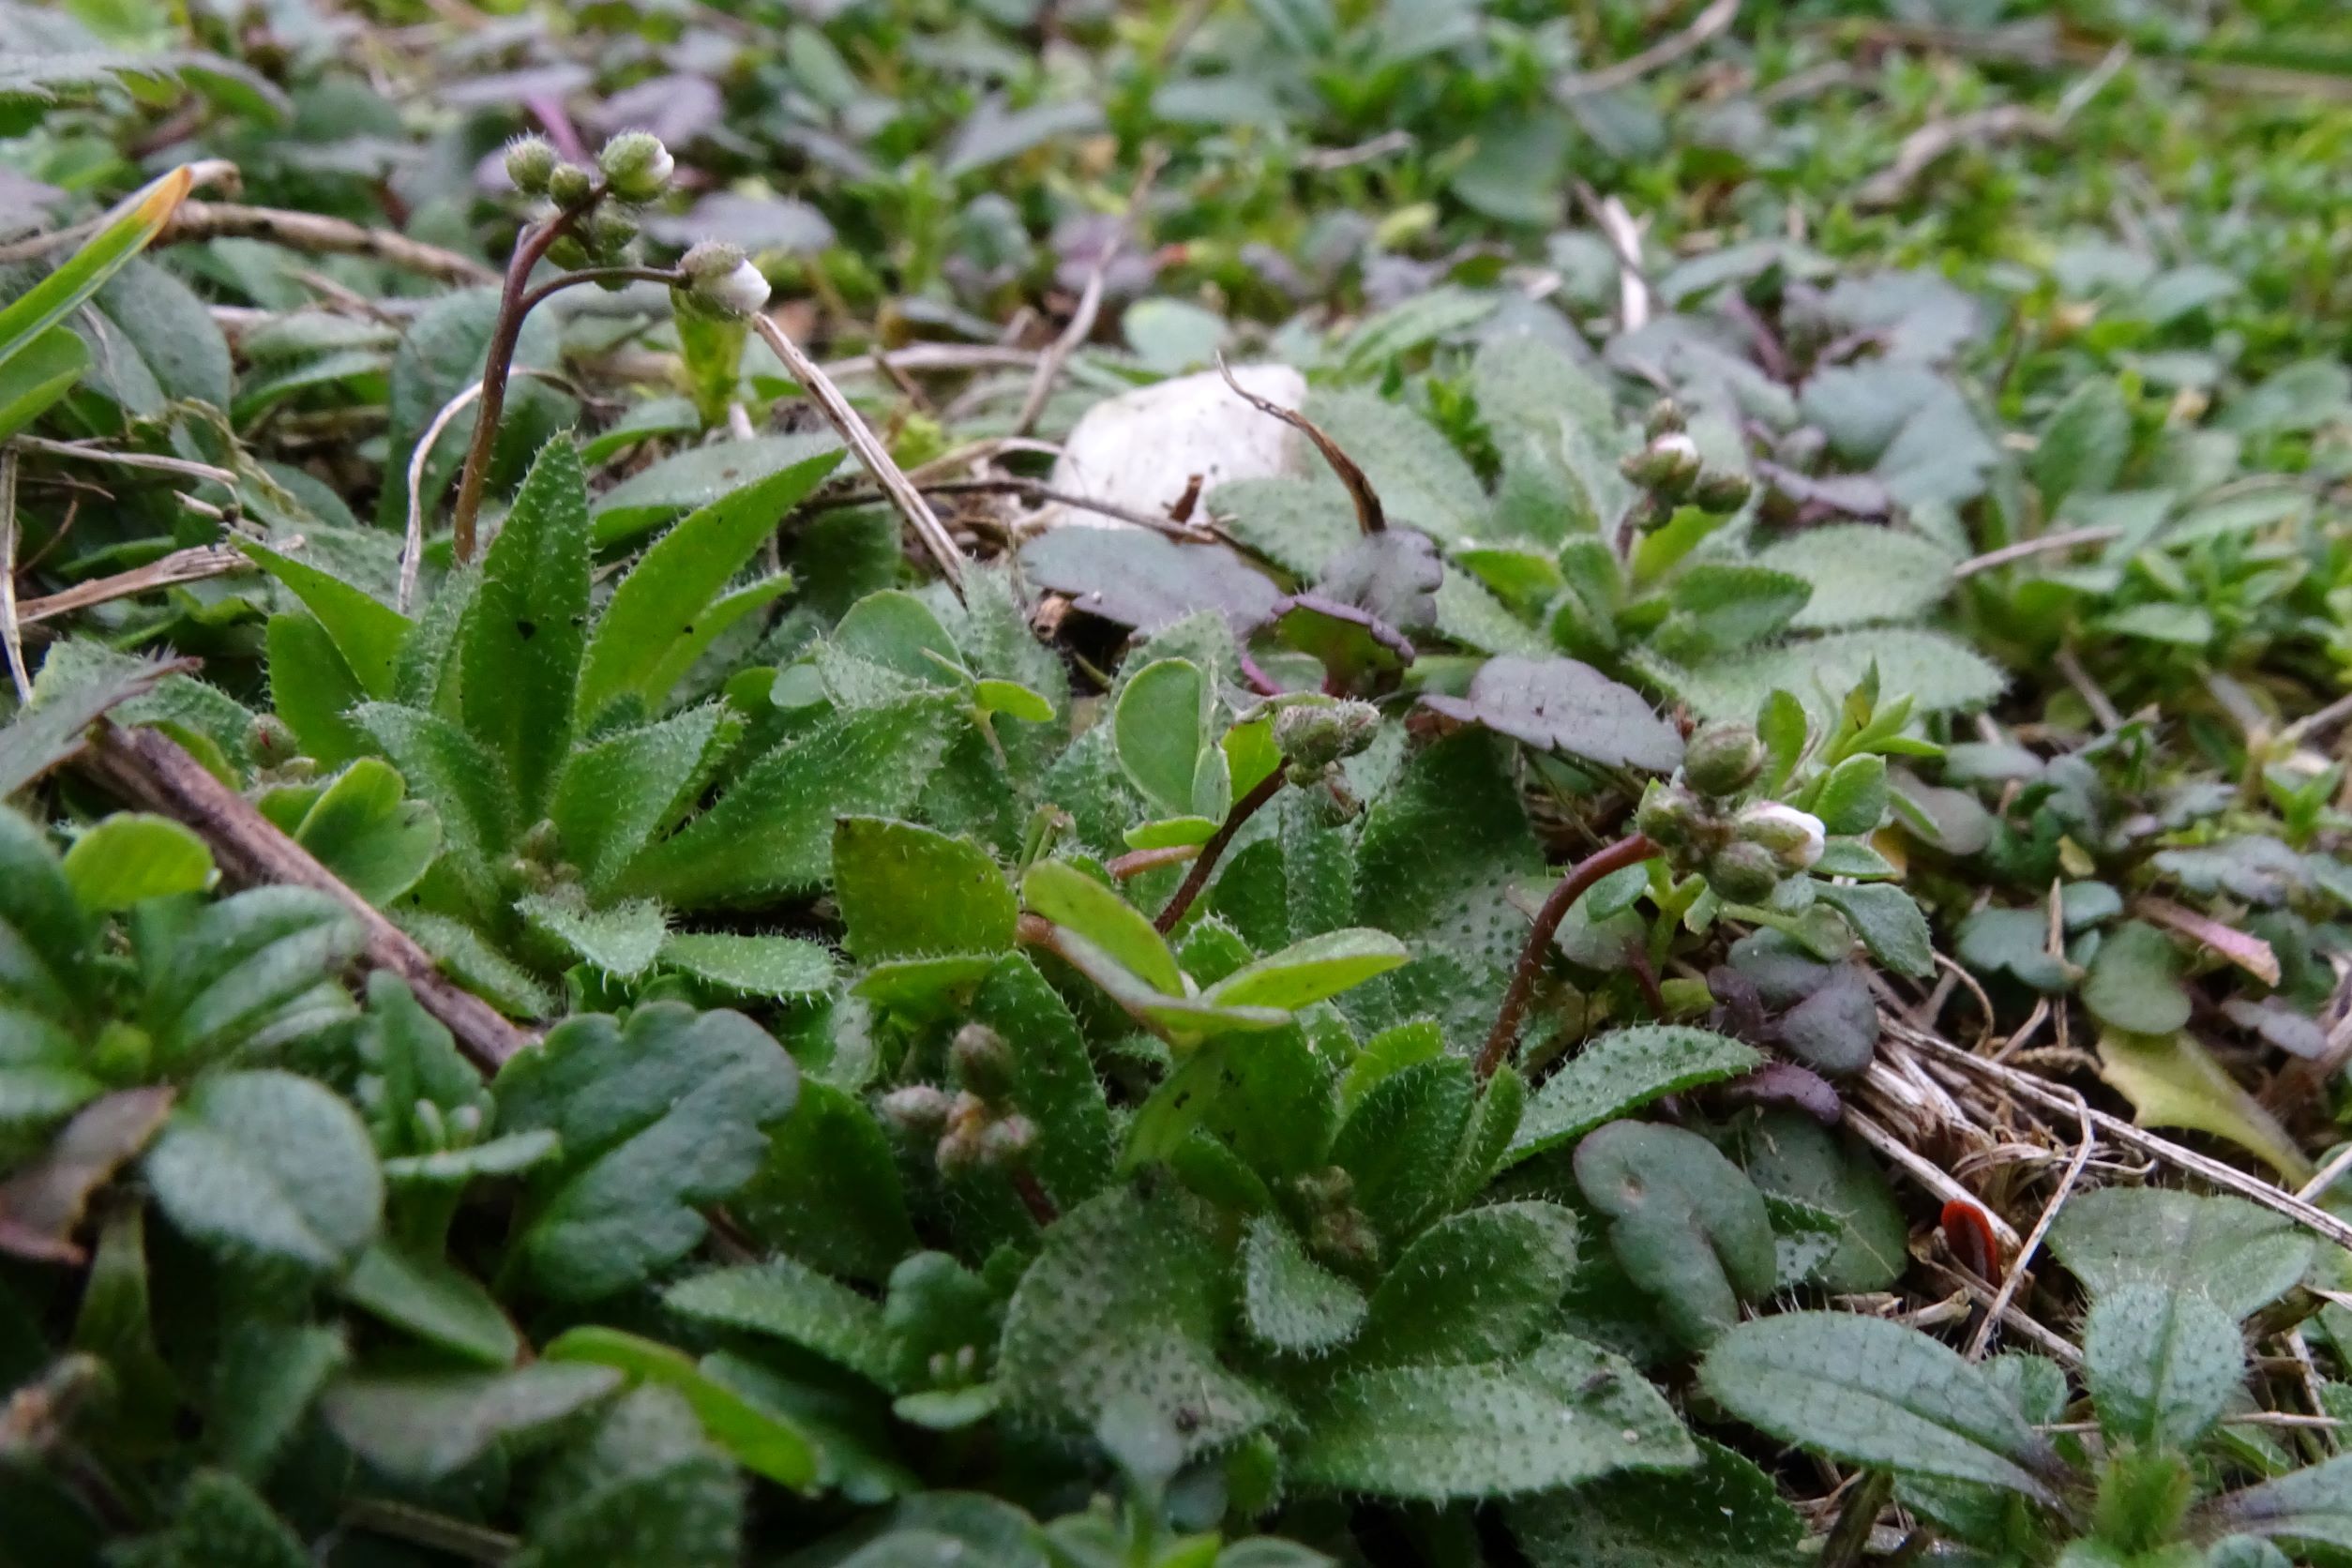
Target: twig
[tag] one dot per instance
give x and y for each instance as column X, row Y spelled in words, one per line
column 1198, row 878
column 1089, row 305
column 2010, row 1283
column 860, row 439
column 298, row 230
column 1134, row 863
column 2327, row 1175
column 2318, row 723
column 2077, row 98
column 1370, row 517
column 2114, row 1129
column 84, row 452
column 2101, row 707
column 193, row 564
column 2025, row 549
column 1850, row 1535
column 2056, row 1346
column 1624, row 234
column 405, row 1521
column 670, row 277
column 950, row 357
column 1058, row 353
column 1937, row 1180
column 1630, row 851
column 1325, row 161
column 1717, row 18
column 151, row 771
column 11, row 630
column 412, row 543
column 1924, row 147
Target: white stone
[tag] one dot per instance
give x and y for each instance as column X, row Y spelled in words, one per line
column 1140, row 450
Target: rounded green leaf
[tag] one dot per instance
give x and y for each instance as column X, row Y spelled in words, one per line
column 1161, row 728
column 268, row 1170
column 132, row 856
column 2135, row 982
column 907, row 890
column 897, row 631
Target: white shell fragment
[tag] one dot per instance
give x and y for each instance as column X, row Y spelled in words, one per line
column 1140, row 450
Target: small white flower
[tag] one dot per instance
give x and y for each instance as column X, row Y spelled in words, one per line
column 740, row 291
column 1796, row 838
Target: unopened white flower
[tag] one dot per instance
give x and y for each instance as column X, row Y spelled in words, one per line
column 637, row 166
column 741, row 292
column 1796, row 838
column 721, row 277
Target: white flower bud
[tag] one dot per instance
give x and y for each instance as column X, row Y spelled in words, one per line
column 742, row 292
column 720, row 278
column 1796, row 838
column 637, row 166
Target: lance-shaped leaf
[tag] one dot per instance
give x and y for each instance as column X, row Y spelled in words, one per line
column 619, row 792
column 1310, row 972
column 907, row 890
column 420, row 1427
column 772, row 831
column 2310, row 1507
column 1182, row 1019
column 1726, row 1513
column 1564, row 1414
column 49, row 302
column 369, row 633
column 761, row 1440
column 524, row 634
column 672, row 588
column 1078, row 903
column 1122, row 1308
column 1874, row 1392
column 1476, row 1286
column 1620, row 1073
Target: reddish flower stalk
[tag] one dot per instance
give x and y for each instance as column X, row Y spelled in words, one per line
column 1198, row 878
column 1579, row 880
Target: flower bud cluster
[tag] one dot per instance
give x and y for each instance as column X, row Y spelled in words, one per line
column 1745, row 851
column 1671, row 473
column 1336, row 1230
column 977, row 1128
column 634, row 168
column 1317, row 733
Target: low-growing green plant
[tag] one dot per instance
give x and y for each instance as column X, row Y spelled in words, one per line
column 1988, row 1452
column 1525, row 967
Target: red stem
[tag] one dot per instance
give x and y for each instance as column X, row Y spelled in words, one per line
column 1034, row 1197
column 1579, row 880
column 1198, row 878
column 514, row 304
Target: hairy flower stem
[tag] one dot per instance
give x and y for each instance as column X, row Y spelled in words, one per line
column 1198, row 878
column 514, row 301
column 1579, row 880
column 1034, row 1197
